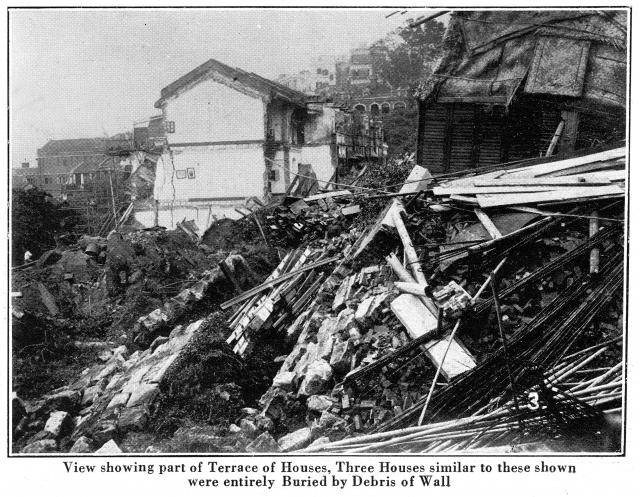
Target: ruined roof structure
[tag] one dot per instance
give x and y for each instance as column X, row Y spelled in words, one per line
column 491, row 55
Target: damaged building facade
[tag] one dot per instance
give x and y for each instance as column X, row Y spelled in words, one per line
column 511, row 80
column 232, row 135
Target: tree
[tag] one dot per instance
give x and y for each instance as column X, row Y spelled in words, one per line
column 405, row 56
column 34, row 222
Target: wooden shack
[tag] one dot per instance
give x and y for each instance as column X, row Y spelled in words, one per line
column 510, row 80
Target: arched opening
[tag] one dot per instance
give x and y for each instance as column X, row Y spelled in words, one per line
column 360, row 108
column 375, row 109
column 399, row 106
column 386, row 108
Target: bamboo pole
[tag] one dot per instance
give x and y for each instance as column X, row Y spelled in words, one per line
column 594, row 257
column 435, row 378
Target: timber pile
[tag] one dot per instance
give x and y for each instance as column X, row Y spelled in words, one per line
column 287, row 291
column 445, row 328
column 580, row 179
column 316, row 216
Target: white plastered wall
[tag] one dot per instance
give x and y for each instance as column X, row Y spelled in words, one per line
column 207, row 173
column 211, row 111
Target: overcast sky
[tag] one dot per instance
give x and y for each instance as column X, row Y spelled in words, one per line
column 88, row 73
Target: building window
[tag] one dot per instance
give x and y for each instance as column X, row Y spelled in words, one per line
column 360, row 108
column 191, row 173
column 170, row 126
column 386, row 108
column 375, row 109
column 181, row 174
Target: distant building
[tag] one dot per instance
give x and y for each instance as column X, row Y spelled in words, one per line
column 360, row 67
column 149, row 135
column 58, row 159
column 318, row 79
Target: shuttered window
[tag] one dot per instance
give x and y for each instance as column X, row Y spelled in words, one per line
column 460, row 136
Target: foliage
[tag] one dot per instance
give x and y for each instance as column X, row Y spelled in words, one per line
column 401, row 131
column 36, row 220
column 406, row 55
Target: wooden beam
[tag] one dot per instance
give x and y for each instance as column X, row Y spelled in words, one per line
column 412, row 256
column 545, row 181
column 565, row 194
column 488, row 223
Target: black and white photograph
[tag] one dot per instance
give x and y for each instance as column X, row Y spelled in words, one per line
column 341, row 231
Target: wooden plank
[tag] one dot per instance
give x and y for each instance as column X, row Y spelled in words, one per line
column 546, row 181
column 413, row 315
column 611, row 175
column 588, row 168
column 457, row 359
column 321, row 196
column 419, row 179
column 470, row 180
column 465, row 199
column 478, row 190
column 488, row 223
column 550, row 167
column 418, row 321
column 564, row 194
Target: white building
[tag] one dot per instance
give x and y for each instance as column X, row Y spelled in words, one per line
column 232, row 135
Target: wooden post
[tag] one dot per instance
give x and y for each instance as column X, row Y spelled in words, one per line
column 554, row 140
column 410, row 251
column 230, row 276
column 255, row 218
column 594, row 257
column 155, row 213
column 113, row 202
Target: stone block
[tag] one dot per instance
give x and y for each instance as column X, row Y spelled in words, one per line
column 296, row 440
column 316, row 379
column 109, row 447
column 145, row 393
column 263, row 443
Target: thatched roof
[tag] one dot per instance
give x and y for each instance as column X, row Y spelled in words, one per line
column 491, row 54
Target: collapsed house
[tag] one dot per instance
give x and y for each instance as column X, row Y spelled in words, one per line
column 232, row 135
column 510, row 81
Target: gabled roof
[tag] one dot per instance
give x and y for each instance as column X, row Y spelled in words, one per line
column 94, row 164
column 262, row 85
column 489, row 55
column 72, row 146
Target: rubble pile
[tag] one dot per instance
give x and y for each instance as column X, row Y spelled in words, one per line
column 485, row 312
column 304, row 219
column 117, row 395
column 443, row 325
